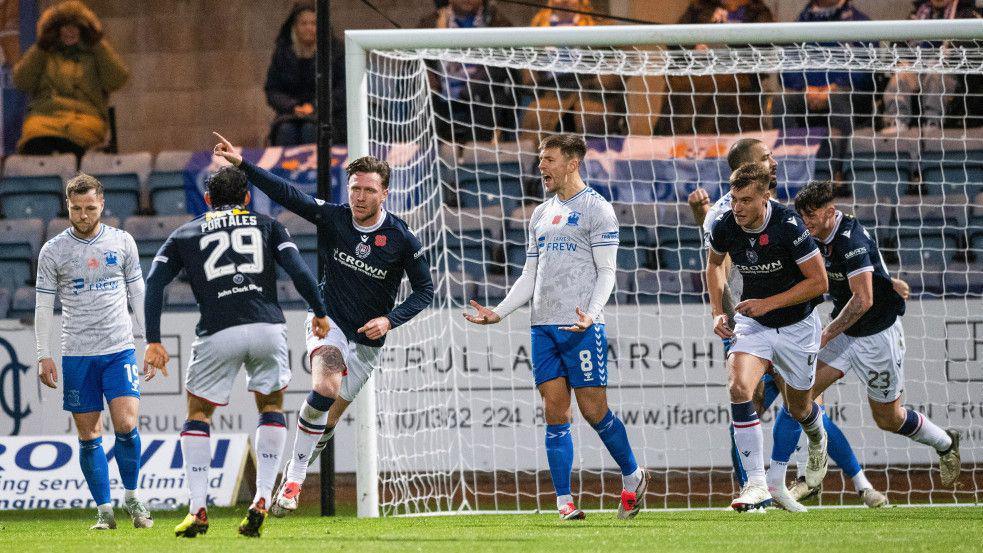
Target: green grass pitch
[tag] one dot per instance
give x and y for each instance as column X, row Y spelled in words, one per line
column 855, row 530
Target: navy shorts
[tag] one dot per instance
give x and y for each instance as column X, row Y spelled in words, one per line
column 580, row 357
column 90, row 378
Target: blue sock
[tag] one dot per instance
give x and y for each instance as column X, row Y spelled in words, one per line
column 785, row 435
column 127, row 452
column 615, row 438
column 839, row 448
column 735, row 459
column 559, row 454
column 95, row 467
column 771, row 392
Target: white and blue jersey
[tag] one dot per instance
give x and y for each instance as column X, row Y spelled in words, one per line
column 91, row 277
column 562, row 235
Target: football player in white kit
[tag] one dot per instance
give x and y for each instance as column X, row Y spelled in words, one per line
column 95, row 269
column 569, row 274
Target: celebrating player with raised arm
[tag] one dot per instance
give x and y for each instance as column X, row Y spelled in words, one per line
column 95, row 269
column 228, row 255
column 865, row 335
column 569, row 274
column 783, row 276
column 370, row 251
column 786, row 430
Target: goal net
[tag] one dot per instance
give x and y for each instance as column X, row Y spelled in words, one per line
column 459, row 424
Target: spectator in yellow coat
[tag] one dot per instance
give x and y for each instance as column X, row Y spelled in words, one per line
column 68, row 75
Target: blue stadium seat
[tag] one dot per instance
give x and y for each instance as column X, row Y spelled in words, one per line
column 879, row 168
column 925, row 283
column 166, row 183
column 470, row 236
column 34, row 186
column 927, row 233
column 150, row 232
column 122, row 177
column 680, row 239
column 489, row 173
column 624, row 285
column 633, row 259
column 20, row 242
column 664, row 287
column 491, row 289
column 951, row 164
column 962, row 280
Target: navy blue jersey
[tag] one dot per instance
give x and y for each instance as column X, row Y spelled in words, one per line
column 230, row 258
column 849, row 251
column 768, row 258
column 363, row 266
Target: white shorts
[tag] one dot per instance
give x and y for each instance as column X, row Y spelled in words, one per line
column 216, row 360
column 791, row 349
column 360, row 360
column 878, row 360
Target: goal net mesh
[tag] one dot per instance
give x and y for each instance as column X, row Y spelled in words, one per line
column 460, row 423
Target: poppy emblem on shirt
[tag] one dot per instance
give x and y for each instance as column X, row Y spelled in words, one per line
column 93, row 263
column 380, row 240
column 763, row 239
column 557, row 219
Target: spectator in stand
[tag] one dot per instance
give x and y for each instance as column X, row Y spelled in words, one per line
column 68, row 76
column 291, row 84
column 726, row 104
column 595, row 104
column 828, row 99
column 934, row 92
column 473, row 101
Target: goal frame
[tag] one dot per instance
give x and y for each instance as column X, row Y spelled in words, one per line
column 359, row 43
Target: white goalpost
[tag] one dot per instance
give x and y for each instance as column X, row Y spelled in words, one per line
column 452, row 423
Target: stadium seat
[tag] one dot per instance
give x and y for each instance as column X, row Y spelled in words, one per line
column 959, row 280
column 489, row 173
column 150, row 232
column 22, row 304
column 879, row 167
column 624, row 283
column 680, row 239
column 469, row 235
column 4, row 302
column 952, row 163
column 657, row 287
column 34, row 186
column 927, row 232
column 122, row 177
column 490, row 289
column 304, row 234
column 461, row 289
column 166, row 182
column 20, row 242
column 925, row 283
column 56, row 226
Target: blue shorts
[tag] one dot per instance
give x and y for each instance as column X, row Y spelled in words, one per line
column 580, row 357
column 89, row 378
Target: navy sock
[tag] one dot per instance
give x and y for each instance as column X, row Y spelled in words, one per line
column 559, row 455
column 95, row 467
column 615, row 437
column 127, row 452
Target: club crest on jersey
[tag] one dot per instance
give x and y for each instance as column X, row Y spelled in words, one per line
column 362, row 250
column 752, row 256
column 111, row 258
column 573, row 219
column 380, row 240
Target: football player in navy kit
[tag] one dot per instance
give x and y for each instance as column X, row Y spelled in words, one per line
column 370, row 250
column 865, row 335
column 228, row 255
column 783, row 276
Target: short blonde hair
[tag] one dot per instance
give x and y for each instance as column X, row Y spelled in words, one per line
column 81, row 184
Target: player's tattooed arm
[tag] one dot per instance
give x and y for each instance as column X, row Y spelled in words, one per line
column 862, row 286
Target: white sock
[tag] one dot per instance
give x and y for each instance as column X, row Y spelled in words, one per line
column 271, row 436
column 814, row 429
column 931, row 435
column 750, row 444
column 105, row 508
column 562, row 500
column 197, row 450
column 322, row 443
column 860, row 482
column 129, row 494
column 310, row 429
column 776, row 474
column 631, row 481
